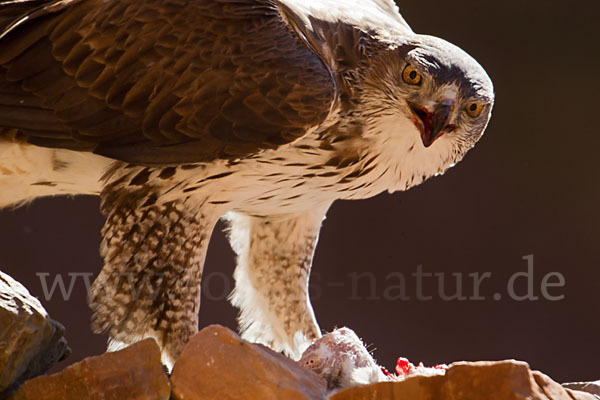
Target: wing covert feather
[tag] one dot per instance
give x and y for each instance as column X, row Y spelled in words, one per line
column 160, row 81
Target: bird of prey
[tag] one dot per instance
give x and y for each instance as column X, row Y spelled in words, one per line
column 180, row 112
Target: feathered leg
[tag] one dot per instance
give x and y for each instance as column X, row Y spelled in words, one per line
column 273, row 268
column 150, row 284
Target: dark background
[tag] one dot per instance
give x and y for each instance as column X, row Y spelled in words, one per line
column 529, row 187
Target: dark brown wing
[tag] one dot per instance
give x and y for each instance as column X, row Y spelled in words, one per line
column 158, row 81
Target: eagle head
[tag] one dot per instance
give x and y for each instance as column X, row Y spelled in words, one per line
column 430, row 102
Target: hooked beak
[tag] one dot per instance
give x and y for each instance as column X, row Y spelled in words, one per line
column 432, row 124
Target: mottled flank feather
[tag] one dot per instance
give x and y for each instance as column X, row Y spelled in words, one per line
column 150, row 285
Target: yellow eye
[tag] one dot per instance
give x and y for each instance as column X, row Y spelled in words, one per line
column 411, row 75
column 474, row 109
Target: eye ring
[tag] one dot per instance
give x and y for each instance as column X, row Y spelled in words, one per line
column 411, row 76
column 474, row 109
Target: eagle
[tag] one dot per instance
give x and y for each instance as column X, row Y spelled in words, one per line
column 178, row 113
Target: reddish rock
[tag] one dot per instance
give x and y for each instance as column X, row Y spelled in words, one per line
column 134, row 373
column 553, row 390
column 414, row 388
column 502, row 380
column 217, row 364
column 589, row 387
column 30, row 342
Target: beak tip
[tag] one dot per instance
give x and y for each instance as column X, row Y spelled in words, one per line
column 426, row 142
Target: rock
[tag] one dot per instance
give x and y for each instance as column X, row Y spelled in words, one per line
column 415, row 388
column 30, row 342
column 342, row 359
column 134, row 373
column 589, row 387
column 554, row 390
column 217, row 364
column 501, row 380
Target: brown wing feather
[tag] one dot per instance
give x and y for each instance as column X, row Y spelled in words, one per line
column 159, row 81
